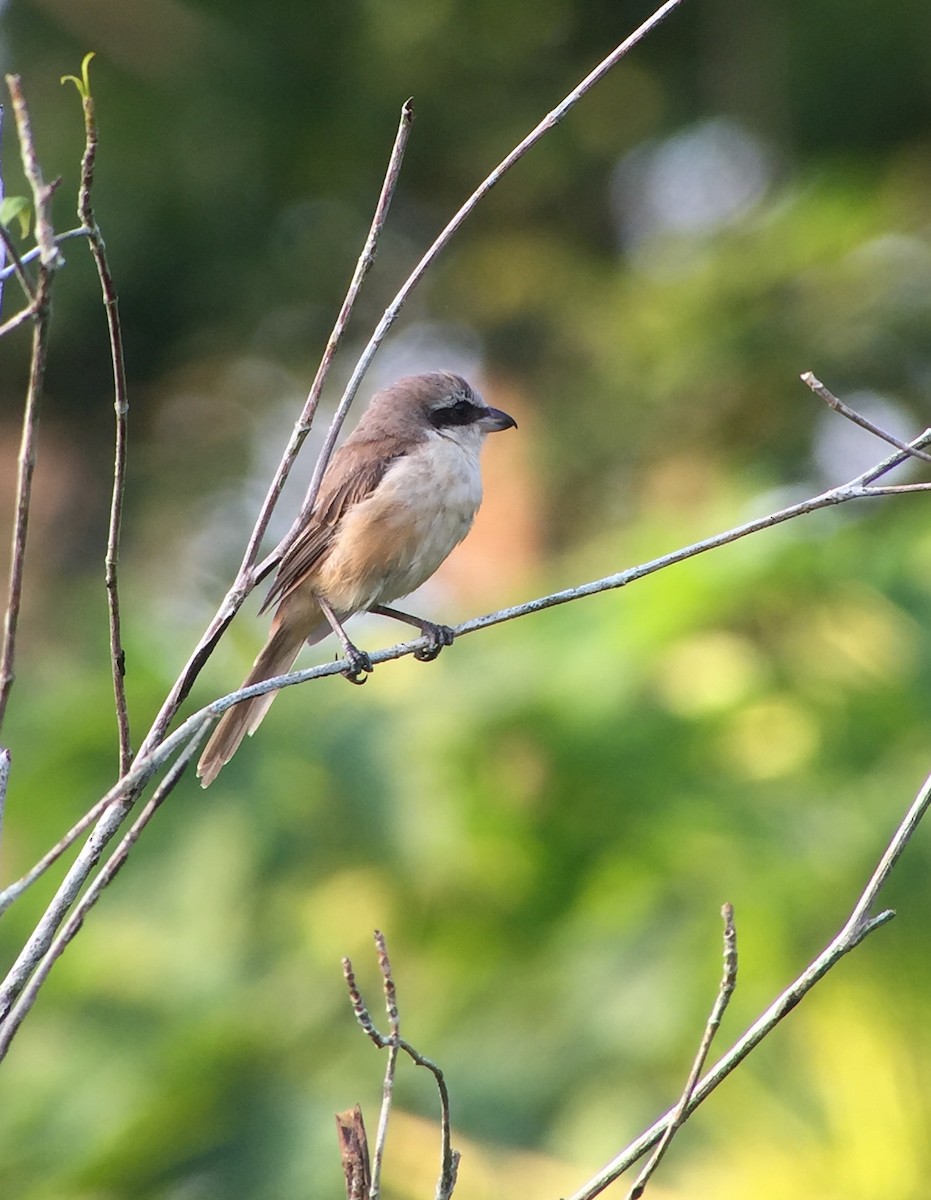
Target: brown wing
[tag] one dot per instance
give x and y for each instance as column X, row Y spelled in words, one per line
column 350, row 478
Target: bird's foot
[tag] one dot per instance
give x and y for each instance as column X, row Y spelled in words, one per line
column 440, row 636
column 359, row 665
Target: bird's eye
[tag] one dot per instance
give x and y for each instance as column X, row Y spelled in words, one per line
column 460, row 412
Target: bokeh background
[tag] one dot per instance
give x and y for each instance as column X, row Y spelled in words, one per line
column 546, row 821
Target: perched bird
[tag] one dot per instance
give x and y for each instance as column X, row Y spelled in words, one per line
column 396, row 498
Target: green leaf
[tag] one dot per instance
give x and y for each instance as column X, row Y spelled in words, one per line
column 14, row 208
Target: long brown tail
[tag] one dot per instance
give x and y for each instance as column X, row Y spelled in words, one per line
column 276, row 657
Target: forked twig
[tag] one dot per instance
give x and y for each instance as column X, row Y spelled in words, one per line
column 449, row 1164
column 725, row 991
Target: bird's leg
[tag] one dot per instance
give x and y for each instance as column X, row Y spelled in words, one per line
column 360, row 665
column 439, row 635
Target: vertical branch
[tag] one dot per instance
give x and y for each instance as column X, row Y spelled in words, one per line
column 5, row 760
column 247, row 576
column 120, row 406
column 49, row 260
column 393, row 1042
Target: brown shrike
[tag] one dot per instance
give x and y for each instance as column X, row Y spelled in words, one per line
column 398, row 496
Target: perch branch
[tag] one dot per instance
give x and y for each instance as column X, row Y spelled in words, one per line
column 857, row 927
column 150, row 761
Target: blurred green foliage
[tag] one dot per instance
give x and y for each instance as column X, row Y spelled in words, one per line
column 546, row 821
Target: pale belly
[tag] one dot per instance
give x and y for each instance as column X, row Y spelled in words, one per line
column 391, row 543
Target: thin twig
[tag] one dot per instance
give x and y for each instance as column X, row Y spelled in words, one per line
column 363, row 266
column 121, row 409
column 809, row 378
column 17, row 265
column 14, row 890
column 108, row 872
column 5, row 761
column 391, row 312
column 247, row 576
column 49, row 254
column 19, row 318
column 393, row 1043
column 857, row 927
column 49, row 260
column 725, row 991
column 34, row 253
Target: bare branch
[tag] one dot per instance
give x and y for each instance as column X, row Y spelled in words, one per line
column 19, row 318
column 680, row 1115
column 302, row 428
column 50, row 259
column 808, row 377
column 857, row 927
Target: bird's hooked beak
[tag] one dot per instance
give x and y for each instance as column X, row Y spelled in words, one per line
column 493, row 419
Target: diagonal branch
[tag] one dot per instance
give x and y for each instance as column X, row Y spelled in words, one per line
column 550, row 121
column 809, row 378
column 858, row 926
column 149, row 761
column 247, row 577
column 680, row 1115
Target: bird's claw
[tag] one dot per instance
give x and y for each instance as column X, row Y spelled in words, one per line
column 439, row 635
column 359, row 665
